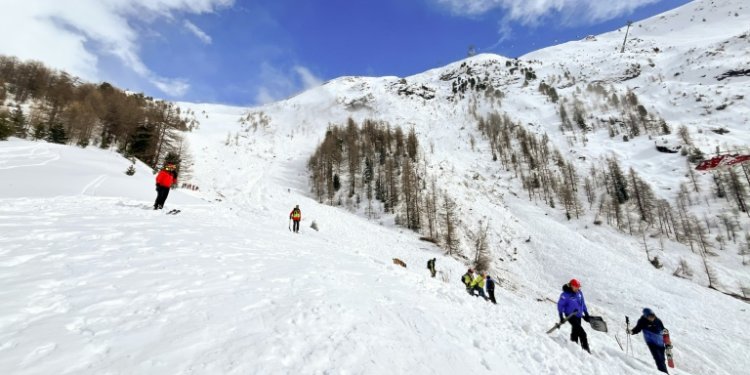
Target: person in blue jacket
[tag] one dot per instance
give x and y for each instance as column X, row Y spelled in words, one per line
column 653, row 333
column 571, row 302
column 491, row 289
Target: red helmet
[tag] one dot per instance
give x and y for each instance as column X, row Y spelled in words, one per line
column 575, row 283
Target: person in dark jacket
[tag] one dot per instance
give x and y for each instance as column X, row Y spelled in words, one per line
column 431, row 266
column 490, row 285
column 653, row 334
column 572, row 302
column 164, row 181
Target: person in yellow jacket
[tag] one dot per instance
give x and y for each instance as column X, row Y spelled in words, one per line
column 478, row 285
column 467, row 278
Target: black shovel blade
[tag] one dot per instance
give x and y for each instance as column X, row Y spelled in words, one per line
column 598, row 324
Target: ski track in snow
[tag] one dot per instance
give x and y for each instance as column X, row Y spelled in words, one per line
column 92, row 186
column 22, row 157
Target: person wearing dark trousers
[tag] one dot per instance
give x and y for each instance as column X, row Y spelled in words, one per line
column 572, row 302
column 295, row 216
column 431, row 266
column 164, row 181
column 491, row 288
column 653, row 334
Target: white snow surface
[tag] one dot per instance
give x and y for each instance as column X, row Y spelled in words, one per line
column 93, row 282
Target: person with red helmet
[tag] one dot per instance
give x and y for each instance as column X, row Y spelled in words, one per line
column 164, row 181
column 572, row 303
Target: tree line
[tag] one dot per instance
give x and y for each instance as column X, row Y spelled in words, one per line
column 51, row 105
column 628, row 117
column 622, row 198
column 380, row 169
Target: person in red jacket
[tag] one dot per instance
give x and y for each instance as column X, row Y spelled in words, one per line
column 296, row 216
column 164, row 181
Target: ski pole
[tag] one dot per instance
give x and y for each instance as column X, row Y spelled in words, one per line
column 289, row 225
column 627, row 331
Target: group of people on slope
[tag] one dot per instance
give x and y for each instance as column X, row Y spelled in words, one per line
column 572, row 305
column 476, row 284
column 167, row 177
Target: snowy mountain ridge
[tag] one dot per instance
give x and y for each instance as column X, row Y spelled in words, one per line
column 96, row 284
column 443, row 104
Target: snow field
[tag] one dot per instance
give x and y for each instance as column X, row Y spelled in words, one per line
column 102, row 285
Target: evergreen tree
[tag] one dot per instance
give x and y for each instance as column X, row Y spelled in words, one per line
column 172, row 158
column 737, row 189
column 643, row 196
column 352, row 154
column 57, row 134
column 412, row 145
column 619, row 184
column 39, row 132
column 664, row 127
column 367, row 177
column 140, row 143
column 18, row 120
column 744, row 251
column 336, row 182
column 566, row 124
column 450, row 225
column 482, row 258
column 579, row 116
column 6, row 130
column 684, row 134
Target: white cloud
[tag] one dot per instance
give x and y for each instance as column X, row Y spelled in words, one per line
column 74, row 35
column 277, row 84
column 309, row 80
column 173, row 87
column 205, row 38
column 532, row 12
column 265, row 96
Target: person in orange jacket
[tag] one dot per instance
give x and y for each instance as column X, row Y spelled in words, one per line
column 295, row 216
column 164, row 181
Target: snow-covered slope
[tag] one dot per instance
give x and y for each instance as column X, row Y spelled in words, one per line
column 98, row 284
column 95, row 284
column 42, row 170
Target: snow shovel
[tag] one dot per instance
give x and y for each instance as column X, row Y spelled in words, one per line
column 597, row 323
column 558, row 325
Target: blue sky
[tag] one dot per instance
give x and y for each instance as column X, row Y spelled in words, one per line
column 245, row 52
